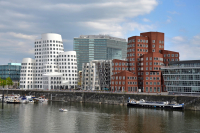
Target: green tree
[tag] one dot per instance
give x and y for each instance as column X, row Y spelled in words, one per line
column 9, row 81
column 2, row 82
column 79, row 83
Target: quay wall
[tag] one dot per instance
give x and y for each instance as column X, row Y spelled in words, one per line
column 191, row 102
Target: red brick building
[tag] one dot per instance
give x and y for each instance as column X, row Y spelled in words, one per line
column 145, row 56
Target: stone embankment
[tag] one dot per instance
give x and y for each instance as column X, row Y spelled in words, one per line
column 191, row 102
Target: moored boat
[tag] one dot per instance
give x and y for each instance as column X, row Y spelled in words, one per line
column 13, row 99
column 40, row 100
column 143, row 103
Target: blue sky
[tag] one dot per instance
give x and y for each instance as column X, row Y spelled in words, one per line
column 23, row 21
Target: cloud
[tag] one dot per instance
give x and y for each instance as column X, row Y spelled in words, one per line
column 178, row 39
column 173, row 12
column 23, row 21
column 169, row 20
column 188, row 48
column 146, row 20
column 22, row 36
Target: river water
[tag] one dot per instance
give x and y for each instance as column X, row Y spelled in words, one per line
column 94, row 118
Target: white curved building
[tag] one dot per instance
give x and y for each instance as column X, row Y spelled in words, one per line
column 27, row 73
column 54, row 68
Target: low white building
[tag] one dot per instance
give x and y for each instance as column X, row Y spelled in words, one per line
column 52, row 68
column 96, row 75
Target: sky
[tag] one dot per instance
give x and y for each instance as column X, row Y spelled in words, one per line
column 23, row 21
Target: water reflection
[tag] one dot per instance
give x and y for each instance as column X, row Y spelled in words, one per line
column 91, row 118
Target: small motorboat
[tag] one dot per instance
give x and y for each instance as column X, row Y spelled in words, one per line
column 63, row 110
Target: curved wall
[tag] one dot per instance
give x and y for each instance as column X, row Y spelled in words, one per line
column 27, row 73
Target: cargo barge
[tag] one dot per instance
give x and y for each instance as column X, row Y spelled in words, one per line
column 147, row 104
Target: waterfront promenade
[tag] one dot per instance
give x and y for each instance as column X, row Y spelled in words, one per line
column 191, row 101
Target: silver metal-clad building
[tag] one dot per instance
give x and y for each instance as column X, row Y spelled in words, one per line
column 182, row 76
column 96, row 75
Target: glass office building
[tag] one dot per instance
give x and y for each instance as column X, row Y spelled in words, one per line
column 11, row 70
column 182, row 76
column 98, row 47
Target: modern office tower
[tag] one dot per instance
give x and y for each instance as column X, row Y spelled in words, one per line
column 145, row 56
column 96, row 75
column 98, row 47
column 182, row 76
column 52, row 68
column 11, row 70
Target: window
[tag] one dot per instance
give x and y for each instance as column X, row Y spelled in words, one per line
column 147, row 59
column 153, row 46
column 146, row 89
column 153, row 50
column 153, row 41
column 150, row 89
column 154, row 89
column 158, row 89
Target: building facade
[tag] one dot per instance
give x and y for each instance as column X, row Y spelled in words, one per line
column 96, row 75
column 52, row 68
column 99, row 47
column 182, row 76
column 145, row 56
column 11, row 70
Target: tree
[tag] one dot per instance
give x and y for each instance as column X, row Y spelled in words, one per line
column 2, row 82
column 79, row 83
column 9, row 81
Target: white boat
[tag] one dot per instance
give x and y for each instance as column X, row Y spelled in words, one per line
column 24, row 99
column 13, row 99
column 30, row 99
column 41, row 100
column 63, row 110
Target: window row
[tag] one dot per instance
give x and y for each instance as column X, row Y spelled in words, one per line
column 116, row 64
column 172, row 55
column 48, row 41
column 120, row 77
column 152, row 89
column 123, row 83
column 152, row 83
column 170, row 60
column 142, row 50
column 149, row 73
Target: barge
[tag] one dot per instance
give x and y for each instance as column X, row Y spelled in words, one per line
column 147, row 104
